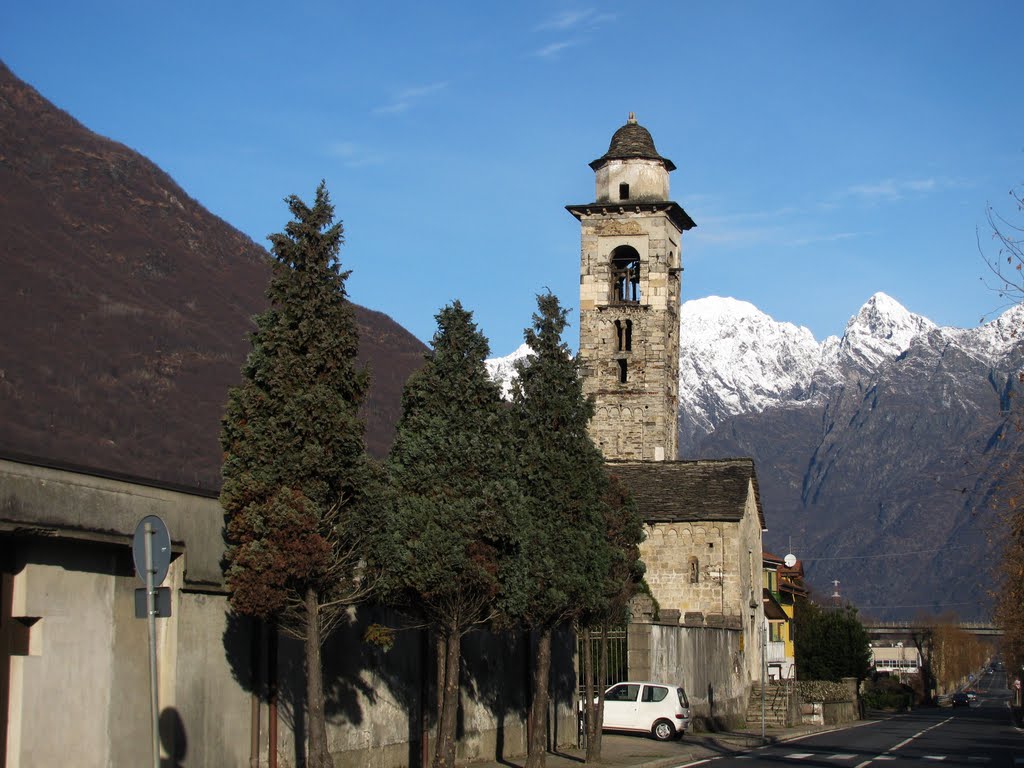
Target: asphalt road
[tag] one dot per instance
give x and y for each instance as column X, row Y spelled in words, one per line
column 981, row 735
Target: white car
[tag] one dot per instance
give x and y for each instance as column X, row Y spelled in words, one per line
column 659, row 709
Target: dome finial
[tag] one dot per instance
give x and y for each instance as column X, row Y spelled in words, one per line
column 632, row 119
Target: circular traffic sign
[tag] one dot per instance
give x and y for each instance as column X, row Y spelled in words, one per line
column 160, row 551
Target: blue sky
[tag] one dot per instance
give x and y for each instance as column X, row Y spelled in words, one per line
column 826, row 150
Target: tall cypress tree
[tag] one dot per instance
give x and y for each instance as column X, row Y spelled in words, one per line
column 624, row 530
column 296, row 475
column 453, row 522
column 564, row 555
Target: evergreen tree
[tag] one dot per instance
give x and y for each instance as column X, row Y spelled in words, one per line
column 830, row 643
column 624, row 530
column 296, row 476
column 564, row 555
column 453, row 522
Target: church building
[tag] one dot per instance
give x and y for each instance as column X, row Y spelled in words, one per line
column 703, row 519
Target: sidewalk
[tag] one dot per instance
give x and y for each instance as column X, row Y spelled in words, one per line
column 627, row 751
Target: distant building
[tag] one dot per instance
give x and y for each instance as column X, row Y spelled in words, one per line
column 897, row 660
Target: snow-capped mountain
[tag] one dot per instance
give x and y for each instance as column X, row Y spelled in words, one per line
column 503, row 369
column 734, row 359
column 880, row 454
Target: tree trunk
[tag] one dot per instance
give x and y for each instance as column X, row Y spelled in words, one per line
column 445, row 756
column 441, row 652
column 589, row 708
column 272, row 691
column 316, row 722
column 596, row 709
column 537, row 748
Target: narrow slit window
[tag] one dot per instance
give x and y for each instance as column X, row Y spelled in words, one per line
column 622, row 371
column 628, row 341
column 623, row 191
column 620, row 335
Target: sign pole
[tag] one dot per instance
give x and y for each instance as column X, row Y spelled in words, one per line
column 151, row 622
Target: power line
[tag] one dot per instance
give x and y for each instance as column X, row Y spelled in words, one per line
column 886, row 554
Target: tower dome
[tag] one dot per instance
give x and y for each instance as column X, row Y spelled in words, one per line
column 632, row 169
column 632, row 141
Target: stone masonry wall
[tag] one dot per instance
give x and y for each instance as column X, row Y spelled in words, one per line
column 636, row 419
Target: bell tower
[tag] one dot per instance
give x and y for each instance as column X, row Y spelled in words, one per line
column 630, row 270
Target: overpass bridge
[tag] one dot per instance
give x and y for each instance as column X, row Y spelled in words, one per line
column 906, row 629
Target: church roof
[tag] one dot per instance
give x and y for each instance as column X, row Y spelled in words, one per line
column 689, row 491
column 632, row 141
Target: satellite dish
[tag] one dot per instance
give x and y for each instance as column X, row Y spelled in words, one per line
column 789, row 560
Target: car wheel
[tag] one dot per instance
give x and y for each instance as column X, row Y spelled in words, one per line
column 663, row 730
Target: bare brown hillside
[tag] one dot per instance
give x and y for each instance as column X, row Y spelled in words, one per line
column 125, row 306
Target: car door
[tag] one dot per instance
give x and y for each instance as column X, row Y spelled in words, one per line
column 654, row 704
column 620, row 702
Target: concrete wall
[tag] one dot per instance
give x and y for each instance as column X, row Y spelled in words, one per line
column 707, row 661
column 74, row 663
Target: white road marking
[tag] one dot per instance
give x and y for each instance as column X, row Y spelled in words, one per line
column 933, row 757
column 842, row 756
column 799, row 756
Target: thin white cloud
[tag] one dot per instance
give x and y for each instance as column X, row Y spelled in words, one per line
column 353, row 155
column 580, row 17
column 815, row 239
column 736, row 235
column 889, row 190
column 410, row 97
column 775, row 226
column 554, row 48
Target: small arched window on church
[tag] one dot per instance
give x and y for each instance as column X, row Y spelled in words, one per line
column 694, row 570
column 622, row 371
column 624, row 335
column 625, row 275
column 623, row 191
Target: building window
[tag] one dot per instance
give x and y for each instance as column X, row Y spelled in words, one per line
column 624, row 335
column 694, row 570
column 775, row 631
column 622, row 371
column 625, row 275
column 623, row 191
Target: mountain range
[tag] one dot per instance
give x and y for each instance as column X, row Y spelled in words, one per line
column 126, row 307
column 882, row 455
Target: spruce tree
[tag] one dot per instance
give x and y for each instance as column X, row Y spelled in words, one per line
column 830, row 642
column 564, row 554
column 453, row 521
column 296, row 476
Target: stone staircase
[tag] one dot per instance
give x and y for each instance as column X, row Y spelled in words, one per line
column 777, row 705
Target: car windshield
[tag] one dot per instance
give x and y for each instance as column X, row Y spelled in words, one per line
column 683, row 701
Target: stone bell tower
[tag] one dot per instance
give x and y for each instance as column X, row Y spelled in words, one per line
column 630, row 269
